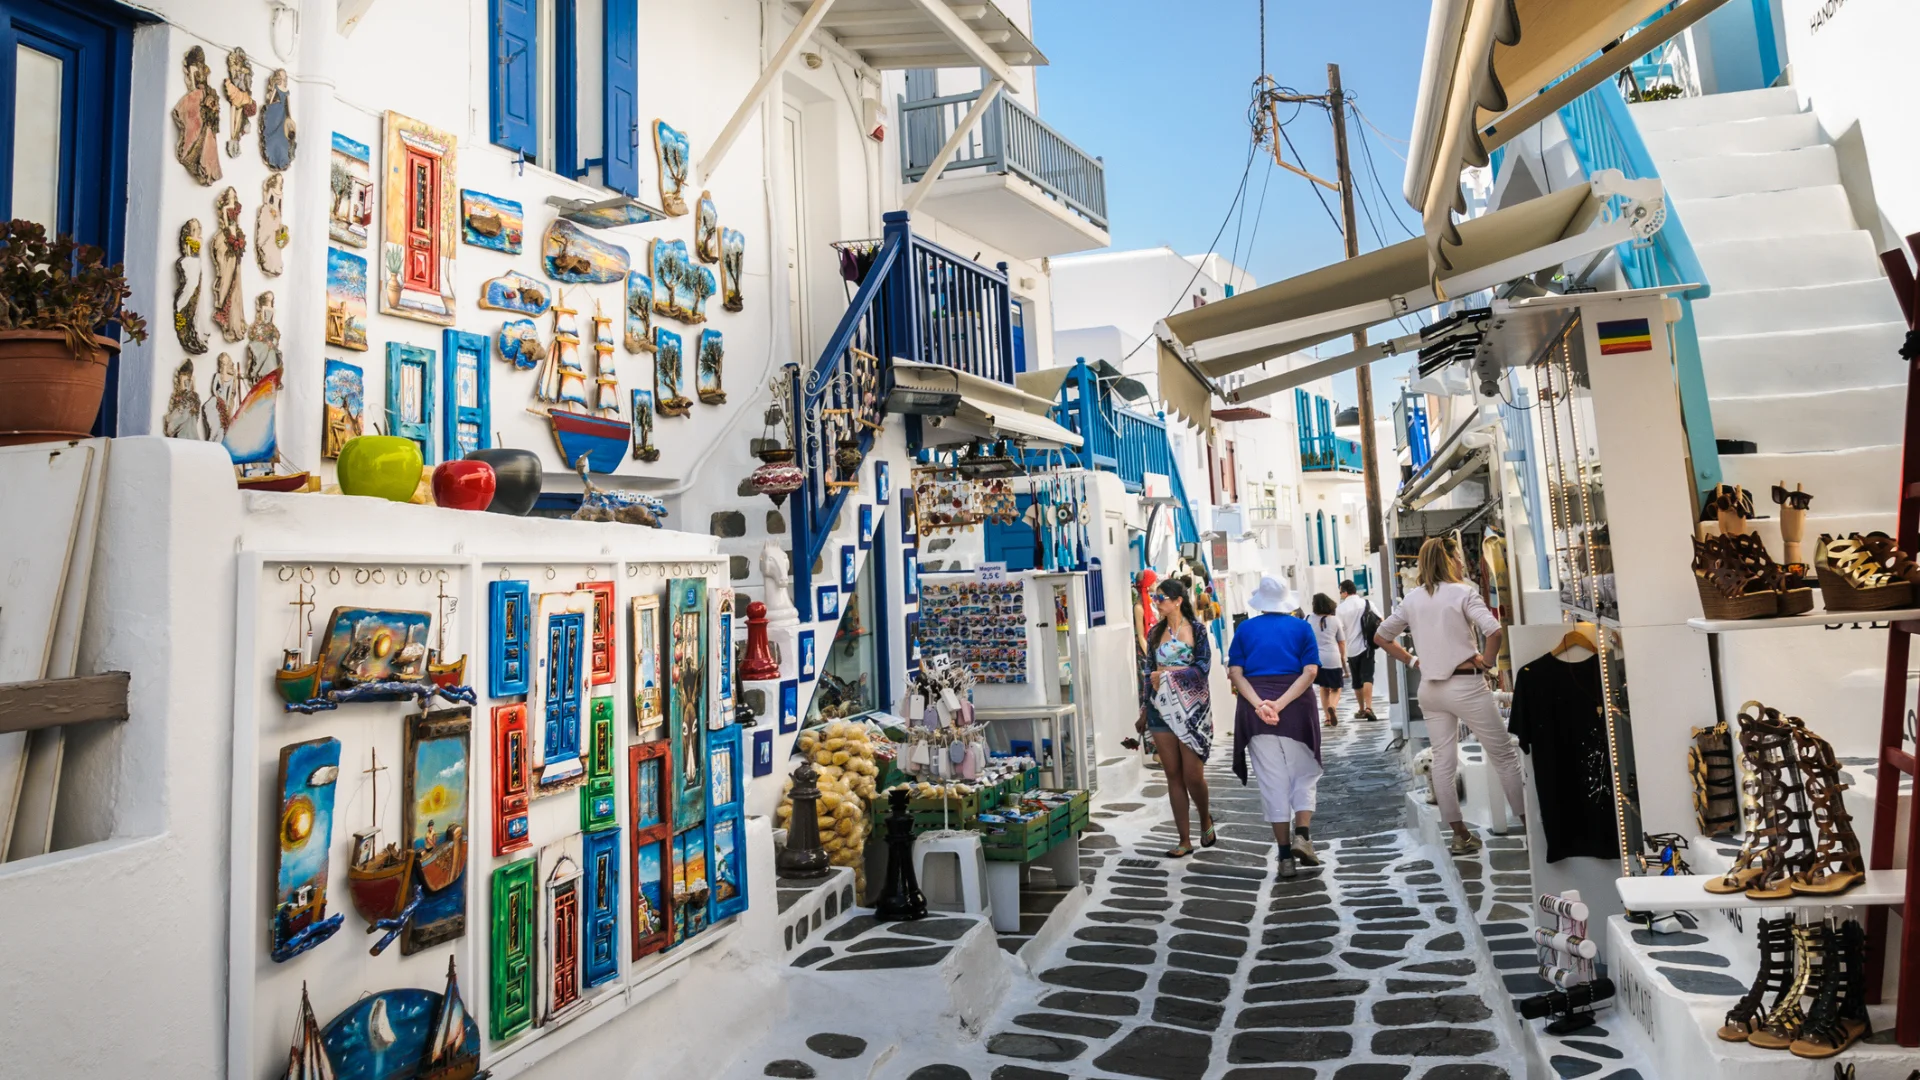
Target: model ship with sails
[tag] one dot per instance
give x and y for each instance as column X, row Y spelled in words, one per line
column 369, row 655
column 403, row 1034
column 586, row 423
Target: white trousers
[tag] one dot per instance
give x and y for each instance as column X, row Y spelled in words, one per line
column 1465, row 699
column 1287, row 773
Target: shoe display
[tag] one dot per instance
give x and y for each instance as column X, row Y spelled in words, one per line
column 1785, row 1018
column 1761, row 841
column 1838, row 1018
column 1728, row 588
column 1852, row 579
column 1775, row 974
column 1716, row 795
column 1835, row 865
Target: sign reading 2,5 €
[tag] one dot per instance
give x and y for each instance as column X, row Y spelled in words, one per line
column 991, row 571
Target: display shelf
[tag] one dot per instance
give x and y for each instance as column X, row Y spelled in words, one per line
column 1689, row 892
column 1812, row 618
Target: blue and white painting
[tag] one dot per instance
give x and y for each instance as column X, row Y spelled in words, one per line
column 516, row 292
column 346, row 300
column 308, row 771
column 385, row 1036
column 849, row 567
column 646, row 782
column 491, row 222
column 806, row 654
column 867, row 515
column 762, row 752
column 520, row 343
column 910, row 575
column 882, row 482
column 829, row 602
column 789, row 707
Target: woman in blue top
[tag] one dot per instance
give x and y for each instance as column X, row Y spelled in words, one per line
column 1175, row 708
column 1272, row 664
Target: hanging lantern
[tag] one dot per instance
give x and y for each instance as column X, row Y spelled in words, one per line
column 777, row 477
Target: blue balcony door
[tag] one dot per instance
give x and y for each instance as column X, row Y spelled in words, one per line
column 67, row 65
column 1019, row 321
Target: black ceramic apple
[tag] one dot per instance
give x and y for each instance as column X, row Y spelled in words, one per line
column 516, row 479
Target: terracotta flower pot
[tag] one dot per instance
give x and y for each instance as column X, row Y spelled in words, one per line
column 51, row 394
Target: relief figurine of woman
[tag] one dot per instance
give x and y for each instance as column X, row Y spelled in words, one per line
column 188, row 278
column 277, row 129
column 229, row 252
column 239, row 90
column 196, row 121
column 223, row 399
column 184, row 419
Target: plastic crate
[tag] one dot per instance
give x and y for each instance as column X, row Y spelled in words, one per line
column 1030, row 780
column 1017, row 841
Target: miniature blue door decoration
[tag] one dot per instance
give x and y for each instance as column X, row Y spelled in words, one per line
column 508, row 658
column 469, row 417
column 1096, row 593
column 601, row 954
column 566, row 639
column 726, row 865
column 410, row 395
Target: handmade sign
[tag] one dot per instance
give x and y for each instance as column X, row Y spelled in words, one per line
column 196, row 121
column 575, row 256
column 490, row 222
column 308, row 771
column 416, row 280
column 516, row 292
column 350, row 192
column 346, row 300
column 687, row 697
column 345, row 407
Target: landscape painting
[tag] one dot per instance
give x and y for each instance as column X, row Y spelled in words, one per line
column 667, row 361
column 308, row 771
column 346, row 400
column 680, row 285
column 675, row 153
column 706, row 370
column 729, row 867
column 520, row 344
column 577, row 257
column 516, row 292
column 687, row 698
column 490, row 222
column 350, row 180
column 346, row 300
column 706, row 230
column 436, row 796
column 649, row 898
column 733, row 258
column 639, row 335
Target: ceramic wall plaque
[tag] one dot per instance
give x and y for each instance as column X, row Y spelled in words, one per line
column 762, row 752
column 466, row 422
column 560, row 899
column 184, row 418
column 417, row 253
column 600, row 905
column 490, row 222
column 509, row 638
column 278, row 133
column 189, row 280
column 512, row 778
column 559, row 687
column 222, row 402
column 349, row 192
column 346, row 300
column 639, row 332
column 727, row 864
column 690, row 894
column 643, row 448
column 241, row 107
column 512, row 945
column 676, row 157
column 667, row 359
column 520, row 343
column 517, row 293
column 575, row 256
column 308, row 771
column 733, row 258
column 789, row 706
column 706, row 371
column 366, row 1037
column 687, row 648
column 229, row 254
column 196, row 120
column 598, row 805
column 263, row 342
column 346, row 407
column 410, row 395
column 706, row 229
column 435, row 797
column 270, row 233
column 647, row 683
column 680, row 285
column 600, row 670
column 647, row 765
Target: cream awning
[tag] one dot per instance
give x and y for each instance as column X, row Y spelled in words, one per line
column 1184, row 390
column 983, row 408
column 1489, row 64
column 1287, row 316
column 1046, row 382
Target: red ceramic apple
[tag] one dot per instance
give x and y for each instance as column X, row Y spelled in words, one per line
column 463, row 485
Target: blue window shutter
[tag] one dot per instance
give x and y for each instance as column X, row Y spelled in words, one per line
column 509, row 655
column 511, row 83
column 620, row 112
column 464, row 428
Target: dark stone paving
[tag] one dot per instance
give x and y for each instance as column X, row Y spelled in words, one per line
column 839, row 1047
column 790, row 1069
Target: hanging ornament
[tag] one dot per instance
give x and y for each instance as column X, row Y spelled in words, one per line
column 777, row 477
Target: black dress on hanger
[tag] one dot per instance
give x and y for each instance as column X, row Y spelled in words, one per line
column 1557, row 719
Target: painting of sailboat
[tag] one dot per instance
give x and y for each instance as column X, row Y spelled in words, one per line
column 403, row 1035
column 436, row 790
column 453, row 1044
column 308, row 771
column 251, row 438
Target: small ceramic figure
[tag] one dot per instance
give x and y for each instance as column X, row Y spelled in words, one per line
column 196, row 121
column 269, row 229
column 188, row 278
column 183, row 419
column 239, row 91
column 278, row 133
column 706, row 230
column 263, row 342
column 229, row 251
column 223, row 399
column 777, row 571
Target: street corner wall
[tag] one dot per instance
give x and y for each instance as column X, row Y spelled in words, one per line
column 429, row 62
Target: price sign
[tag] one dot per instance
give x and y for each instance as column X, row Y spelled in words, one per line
column 991, row 572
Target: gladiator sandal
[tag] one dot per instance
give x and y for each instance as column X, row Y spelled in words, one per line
column 1765, row 831
column 1776, row 972
column 1836, row 865
column 1851, row 579
column 1838, row 1018
column 1785, row 1018
column 1792, row 813
column 1716, row 791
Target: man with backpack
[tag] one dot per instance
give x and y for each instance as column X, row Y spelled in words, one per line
column 1358, row 622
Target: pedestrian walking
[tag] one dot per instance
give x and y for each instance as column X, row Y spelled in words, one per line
column 1331, row 640
column 1442, row 612
column 1176, row 710
column 1271, row 664
column 1354, row 612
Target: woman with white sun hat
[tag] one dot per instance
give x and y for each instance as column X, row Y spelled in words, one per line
column 1271, row 665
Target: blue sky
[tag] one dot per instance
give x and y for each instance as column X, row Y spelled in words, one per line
column 1160, row 91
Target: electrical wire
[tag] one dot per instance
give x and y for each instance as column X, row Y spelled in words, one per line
column 1316, row 187
column 1257, row 211
column 1351, row 100
column 1366, row 152
column 1202, row 261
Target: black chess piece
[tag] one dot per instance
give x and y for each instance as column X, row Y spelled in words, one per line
column 803, row 857
column 902, row 899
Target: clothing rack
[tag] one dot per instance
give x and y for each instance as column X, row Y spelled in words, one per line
column 855, row 258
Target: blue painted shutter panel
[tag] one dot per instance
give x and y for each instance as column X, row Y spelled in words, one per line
column 602, row 855
column 620, row 112
column 507, row 673
column 465, row 427
column 511, row 83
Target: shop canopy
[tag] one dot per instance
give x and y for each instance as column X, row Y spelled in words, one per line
column 1046, row 382
column 1495, row 68
column 961, row 407
column 1278, row 320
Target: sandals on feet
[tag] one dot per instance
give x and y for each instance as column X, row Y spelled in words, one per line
column 1180, row 852
column 1207, row 836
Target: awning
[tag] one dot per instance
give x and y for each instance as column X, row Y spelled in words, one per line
column 1287, row 316
column 1489, row 63
column 982, row 408
column 1046, row 381
column 1185, row 390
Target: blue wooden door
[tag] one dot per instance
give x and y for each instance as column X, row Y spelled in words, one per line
column 467, row 411
column 507, row 658
column 410, row 395
column 566, row 637
column 602, row 853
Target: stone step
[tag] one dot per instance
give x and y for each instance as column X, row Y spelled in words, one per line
column 1760, row 135
column 1783, row 363
column 1741, row 174
column 1767, row 214
column 1809, row 307
column 1788, row 261
column 1862, row 480
column 1815, row 420
column 1691, row 112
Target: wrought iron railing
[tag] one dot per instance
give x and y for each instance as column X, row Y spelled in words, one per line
column 1008, row 139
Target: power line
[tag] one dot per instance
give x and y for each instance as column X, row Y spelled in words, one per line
column 1322, row 199
column 1258, row 210
column 1366, row 151
column 1202, row 261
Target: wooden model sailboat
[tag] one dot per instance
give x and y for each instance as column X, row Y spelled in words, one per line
column 593, row 431
column 308, row 1059
column 447, row 1056
column 377, row 878
column 443, row 673
column 298, row 678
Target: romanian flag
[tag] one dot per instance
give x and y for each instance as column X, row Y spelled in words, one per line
column 1625, row 336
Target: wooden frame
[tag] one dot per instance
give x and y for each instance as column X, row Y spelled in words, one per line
column 650, row 817
column 422, row 214
column 512, row 778
column 468, row 408
column 600, row 670
column 510, row 997
column 599, row 808
column 647, row 666
column 686, row 673
column 726, row 864
column 430, row 738
column 509, row 638
column 410, row 404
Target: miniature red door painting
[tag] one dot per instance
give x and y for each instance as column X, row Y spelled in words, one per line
column 416, row 260
column 512, row 776
column 422, row 269
column 566, row 945
column 650, row 810
column 601, row 670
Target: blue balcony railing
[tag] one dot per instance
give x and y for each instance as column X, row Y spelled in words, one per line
column 1009, row 139
column 1121, row 441
column 1329, row 453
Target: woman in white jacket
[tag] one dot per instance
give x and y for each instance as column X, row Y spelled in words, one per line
column 1442, row 612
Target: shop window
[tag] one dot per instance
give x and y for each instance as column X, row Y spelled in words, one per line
column 551, row 103
column 848, row 666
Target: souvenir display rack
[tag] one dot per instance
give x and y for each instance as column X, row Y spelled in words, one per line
column 981, row 624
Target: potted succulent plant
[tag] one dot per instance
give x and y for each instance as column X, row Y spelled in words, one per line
column 55, row 298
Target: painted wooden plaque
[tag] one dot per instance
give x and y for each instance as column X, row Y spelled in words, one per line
column 308, row 772
column 510, row 997
column 490, row 222
column 575, row 256
column 350, row 193
column 520, row 344
column 849, row 567
column 706, row 369
column 410, row 395
column 647, row 685
column 727, row 864
column 601, row 670
column 675, row 154
column 435, row 794
column 687, row 697
column 722, row 712
column 346, row 406
column 468, row 416
column 643, row 448
column 509, row 654
column 416, row 271
column 733, row 258
column 560, row 914
column 726, row 761
column 806, row 655
column 789, row 706
column 691, row 889
column 639, row 329
column 512, row 778
column 600, row 941
column 706, row 229
column 666, row 374
column 598, row 806
column 560, row 660
column 650, row 815
column 680, row 285
column 762, row 752
column 346, row 300
column 516, row 292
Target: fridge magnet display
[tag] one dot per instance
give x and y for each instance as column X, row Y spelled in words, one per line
column 491, row 222
column 727, row 865
column 398, row 1034
column 229, row 254
column 346, row 406
column 308, row 771
column 196, row 121
column 639, row 309
column 650, row 814
column 600, row 944
column 806, row 655
column 279, row 135
column 416, row 280
column 241, row 106
column 706, row 229
column 690, row 890
column 270, row 235
column 882, row 482
column 706, row 370
column 560, row 929
column 509, row 658
column 410, row 395
column 675, row 155
column 189, row 280
column 789, row 706
column 600, row 671
column 849, row 567
column 468, row 422
column 647, row 716
column 516, row 292
column 680, row 285
column 434, row 797
column 827, row 604
column 510, row 996
column 866, row 525
column 597, row 806
column 762, row 752
column 350, row 192
column 666, row 374
column 643, row 448
column 733, row 257
column 559, row 666
column 512, row 778
column 577, row 257
column 687, row 697
column 979, row 624
column 346, row 300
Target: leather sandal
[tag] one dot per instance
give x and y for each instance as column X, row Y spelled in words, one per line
column 1785, row 1019
column 1791, row 818
column 1838, row 1018
column 1775, row 974
column 1760, row 849
column 1835, row 866
column 1851, row 579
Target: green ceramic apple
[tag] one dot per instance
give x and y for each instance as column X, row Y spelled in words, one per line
column 382, row 466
